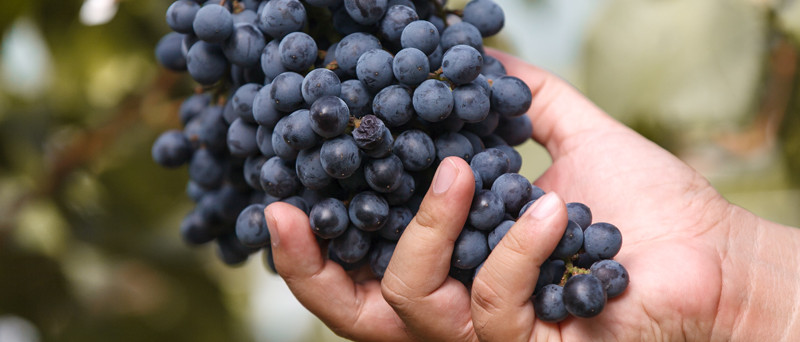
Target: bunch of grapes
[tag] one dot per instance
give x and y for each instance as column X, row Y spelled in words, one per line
column 344, row 109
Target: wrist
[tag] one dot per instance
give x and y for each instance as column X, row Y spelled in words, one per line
column 760, row 298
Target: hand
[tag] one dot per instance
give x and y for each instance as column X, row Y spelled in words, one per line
column 688, row 251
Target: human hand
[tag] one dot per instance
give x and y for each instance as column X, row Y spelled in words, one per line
column 682, row 246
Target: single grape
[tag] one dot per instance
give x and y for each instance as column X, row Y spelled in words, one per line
column 351, row 246
column 309, row 169
column 277, row 178
column 514, row 189
column 403, row 192
column 393, row 105
column 206, row 63
column 286, row 91
column 251, row 226
column 550, row 272
column 470, row 249
column 357, row 98
column 385, row 174
column 366, row 12
column 485, row 15
column 461, row 33
column 297, row 131
column 329, row 116
column 613, row 275
column 351, row 48
column 602, row 240
column 415, row 149
column 264, row 111
column 181, row 14
column 549, row 304
column 213, row 23
column 490, row 163
column 584, row 295
column 422, row 35
column 319, row 83
column 499, row 232
column 471, row 102
column 515, row 130
column 328, row 218
column 487, row 210
column 580, row 214
column 380, row 256
column 368, row 211
column 396, row 223
column 171, row 149
column 461, row 64
column 298, row 51
column 280, row 17
column 245, row 45
column 570, row 242
column 340, row 156
column 242, row 101
column 206, row 169
column 271, row 60
column 510, row 96
column 373, row 137
column 169, row 54
column 374, row 69
column 433, row 100
column 451, row 144
column 396, row 19
column 242, row 139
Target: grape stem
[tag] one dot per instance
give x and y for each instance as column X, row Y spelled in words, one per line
column 571, row 269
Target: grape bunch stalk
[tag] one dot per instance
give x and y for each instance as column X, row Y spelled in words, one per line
column 344, row 109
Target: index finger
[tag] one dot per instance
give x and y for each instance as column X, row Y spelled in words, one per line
column 353, row 310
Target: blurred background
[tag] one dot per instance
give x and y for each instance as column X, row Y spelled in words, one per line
column 89, row 243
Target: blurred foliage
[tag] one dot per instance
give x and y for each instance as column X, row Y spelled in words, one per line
column 89, row 249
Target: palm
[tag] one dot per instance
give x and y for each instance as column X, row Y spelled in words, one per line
column 675, row 271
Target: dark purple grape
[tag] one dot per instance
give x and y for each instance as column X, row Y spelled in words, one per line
column 396, row 223
column 351, row 246
column 340, row 156
column 584, row 295
column 487, row 210
column 433, row 100
column 470, row 249
column 277, row 178
column 580, row 214
column 328, row 218
column 570, row 242
column 415, row 149
column 171, row 149
column 251, row 226
column 549, row 304
column 384, row 175
column 602, row 240
column 368, row 211
column 613, row 275
column 309, row 169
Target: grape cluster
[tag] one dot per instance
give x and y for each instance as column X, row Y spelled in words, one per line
column 344, row 109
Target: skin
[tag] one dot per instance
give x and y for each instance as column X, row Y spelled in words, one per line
column 701, row 268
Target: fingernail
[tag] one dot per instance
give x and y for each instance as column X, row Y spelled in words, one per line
column 545, row 206
column 445, row 176
column 272, row 226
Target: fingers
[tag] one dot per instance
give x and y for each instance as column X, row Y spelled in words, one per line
column 352, row 310
column 558, row 111
column 416, row 284
column 501, row 306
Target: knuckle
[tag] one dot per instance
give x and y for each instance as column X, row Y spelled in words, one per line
column 426, row 217
column 485, row 298
column 394, row 290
